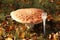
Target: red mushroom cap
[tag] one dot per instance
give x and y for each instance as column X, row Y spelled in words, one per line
column 27, row 15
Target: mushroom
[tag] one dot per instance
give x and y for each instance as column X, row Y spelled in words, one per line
column 27, row 16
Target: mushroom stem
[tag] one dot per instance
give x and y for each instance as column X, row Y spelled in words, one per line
column 28, row 25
